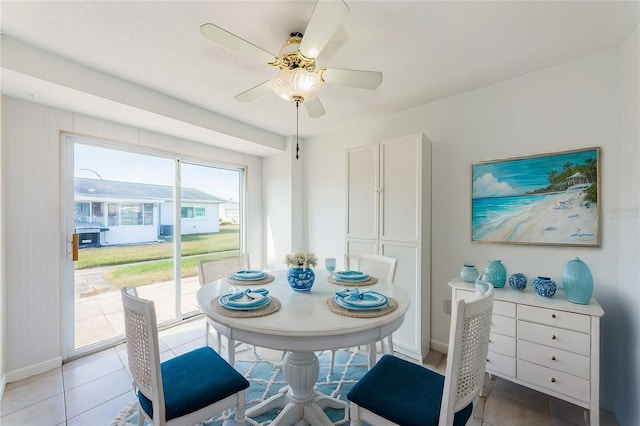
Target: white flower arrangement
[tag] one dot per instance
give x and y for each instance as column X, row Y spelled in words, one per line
column 301, row 259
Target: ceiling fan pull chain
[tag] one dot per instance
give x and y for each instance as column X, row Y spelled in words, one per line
column 297, row 137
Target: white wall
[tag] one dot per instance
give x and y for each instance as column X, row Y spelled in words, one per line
column 283, row 206
column 32, row 166
column 2, row 269
column 624, row 330
column 574, row 105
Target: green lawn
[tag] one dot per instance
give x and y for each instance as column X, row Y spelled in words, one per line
column 151, row 263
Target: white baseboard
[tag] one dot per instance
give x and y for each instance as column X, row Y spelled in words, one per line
column 32, row 370
column 3, row 384
column 439, row 347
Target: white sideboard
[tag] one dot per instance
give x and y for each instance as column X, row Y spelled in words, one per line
column 547, row 344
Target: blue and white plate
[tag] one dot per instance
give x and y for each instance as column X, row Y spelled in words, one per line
column 350, row 276
column 239, row 306
column 353, row 299
column 246, row 300
column 248, row 275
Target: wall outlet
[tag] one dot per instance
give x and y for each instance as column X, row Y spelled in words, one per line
column 447, row 306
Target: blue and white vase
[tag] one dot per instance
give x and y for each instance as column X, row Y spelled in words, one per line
column 469, row 273
column 495, row 273
column 544, row 286
column 518, row 281
column 577, row 282
column 300, row 279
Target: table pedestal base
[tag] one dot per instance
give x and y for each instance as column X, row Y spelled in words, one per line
column 300, row 402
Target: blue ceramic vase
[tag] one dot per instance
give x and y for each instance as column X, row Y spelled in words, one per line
column 577, row 282
column 517, row 281
column 495, row 273
column 469, row 273
column 544, row 286
column 301, row 279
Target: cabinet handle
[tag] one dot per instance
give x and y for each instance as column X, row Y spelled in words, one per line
column 553, row 380
column 553, row 357
column 553, row 337
column 553, row 315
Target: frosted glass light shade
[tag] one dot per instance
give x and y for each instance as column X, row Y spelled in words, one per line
column 298, row 82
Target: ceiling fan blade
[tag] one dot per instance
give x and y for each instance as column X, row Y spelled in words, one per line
column 354, row 78
column 314, row 108
column 255, row 92
column 232, row 41
column 325, row 20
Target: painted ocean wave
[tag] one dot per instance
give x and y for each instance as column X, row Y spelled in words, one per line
column 491, row 213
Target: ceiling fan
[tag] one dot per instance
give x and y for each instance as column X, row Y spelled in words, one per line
column 299, row 80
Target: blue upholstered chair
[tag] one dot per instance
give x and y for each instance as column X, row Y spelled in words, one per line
column 399, row 392
column 185, row 390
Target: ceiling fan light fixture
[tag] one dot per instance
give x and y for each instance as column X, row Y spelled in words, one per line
column 296, row 85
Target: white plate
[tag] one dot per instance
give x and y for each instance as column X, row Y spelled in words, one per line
column 249, row 275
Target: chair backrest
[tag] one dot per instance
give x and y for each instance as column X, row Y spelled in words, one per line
column 382, row 267
column 214, row 269
column 467, row 355
column 141, row 333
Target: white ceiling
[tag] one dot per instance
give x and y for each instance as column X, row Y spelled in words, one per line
column 426, row 50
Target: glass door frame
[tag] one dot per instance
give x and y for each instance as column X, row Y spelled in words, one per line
column 67, row 175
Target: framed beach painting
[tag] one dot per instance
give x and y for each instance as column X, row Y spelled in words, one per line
column 546, row 199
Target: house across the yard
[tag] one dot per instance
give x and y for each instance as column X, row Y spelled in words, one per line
column 110, row 212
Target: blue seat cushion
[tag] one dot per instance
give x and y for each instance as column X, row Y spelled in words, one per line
column 194, row 380
column 405, row 393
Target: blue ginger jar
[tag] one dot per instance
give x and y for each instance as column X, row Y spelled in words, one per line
column 469, row 273
column 544, row 286
column 577, row 282
column 495, row 273
column 518, row 281
column 301, row 279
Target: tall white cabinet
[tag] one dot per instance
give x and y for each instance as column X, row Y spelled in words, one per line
column 389, row 213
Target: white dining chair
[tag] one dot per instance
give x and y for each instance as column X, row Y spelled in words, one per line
column 400, row 392
column 382, row 268
column 215, row 269
column 185, row 390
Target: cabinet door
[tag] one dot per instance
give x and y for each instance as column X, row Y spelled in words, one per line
column 412, row 337
column 362, row 193
column 400, row 189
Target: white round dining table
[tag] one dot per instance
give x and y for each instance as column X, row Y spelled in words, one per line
column 302, row 325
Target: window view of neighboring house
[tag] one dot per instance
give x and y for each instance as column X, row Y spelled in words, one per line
column 111, row 212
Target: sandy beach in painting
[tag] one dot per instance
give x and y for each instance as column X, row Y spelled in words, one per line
column 560, row 218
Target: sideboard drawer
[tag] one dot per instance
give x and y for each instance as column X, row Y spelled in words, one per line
column 555, row 318
column 506, row 309
column 555, row 337
column 557, row 359
column 554, row 380
column 503, row 325
column 501, row 344
column 501, row 365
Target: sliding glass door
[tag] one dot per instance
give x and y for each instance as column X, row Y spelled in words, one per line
column 142, row 219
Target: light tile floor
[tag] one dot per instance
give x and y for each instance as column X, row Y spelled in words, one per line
column 91, row 390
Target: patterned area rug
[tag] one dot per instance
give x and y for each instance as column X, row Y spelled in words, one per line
column 266, row 379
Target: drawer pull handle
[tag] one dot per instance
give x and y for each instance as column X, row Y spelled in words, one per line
column 553, row 337
column 553, row 315
column 553, row 380
column 553, row 357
